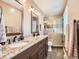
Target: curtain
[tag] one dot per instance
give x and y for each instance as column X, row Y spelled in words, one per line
column 75, row 50
column 71, row 38
column 73, row 42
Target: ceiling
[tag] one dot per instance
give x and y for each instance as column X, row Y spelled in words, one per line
column 51, row 7
column 48, row 7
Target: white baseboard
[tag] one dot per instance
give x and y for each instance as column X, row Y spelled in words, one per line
column 57, row 46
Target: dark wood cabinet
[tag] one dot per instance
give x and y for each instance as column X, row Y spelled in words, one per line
column 46, row 46
column 34, row 55
column 37, row 51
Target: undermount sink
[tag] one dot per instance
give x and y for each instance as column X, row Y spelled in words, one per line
column 17, row 45
column 36, row 38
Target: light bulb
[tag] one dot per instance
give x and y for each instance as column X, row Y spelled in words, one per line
column 12, row 10
column 24, row 0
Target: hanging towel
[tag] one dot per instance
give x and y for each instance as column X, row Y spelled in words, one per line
column 71, row 39
column 2, row 31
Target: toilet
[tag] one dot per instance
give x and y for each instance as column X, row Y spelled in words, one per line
column 49, row 46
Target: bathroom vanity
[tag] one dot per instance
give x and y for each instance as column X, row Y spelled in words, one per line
column 29, row 48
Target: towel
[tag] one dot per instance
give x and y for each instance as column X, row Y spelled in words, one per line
column 2, row 31
column 71, row 39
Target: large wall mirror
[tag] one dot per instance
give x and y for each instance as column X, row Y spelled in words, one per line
column 34, row 23
column 12, row 17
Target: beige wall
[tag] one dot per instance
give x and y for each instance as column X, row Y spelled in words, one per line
column 12, row 17
column 73, row 9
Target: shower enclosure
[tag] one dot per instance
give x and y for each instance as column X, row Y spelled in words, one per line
column 55, row 31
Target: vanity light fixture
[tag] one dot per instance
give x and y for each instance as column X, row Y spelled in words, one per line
column 34, row 10
column 24, row 0
column 20, row 1
column 12, row 10
column 30, row 9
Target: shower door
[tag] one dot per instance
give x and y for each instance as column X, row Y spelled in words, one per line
column 55, row 33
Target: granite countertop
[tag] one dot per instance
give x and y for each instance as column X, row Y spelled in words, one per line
column 12, row 50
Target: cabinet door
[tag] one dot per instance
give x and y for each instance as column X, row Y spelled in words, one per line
column 41, row 54
column 21, row 56
column 34, row 55
column 46, row 46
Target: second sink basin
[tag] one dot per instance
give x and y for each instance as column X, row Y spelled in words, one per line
column 17, row 45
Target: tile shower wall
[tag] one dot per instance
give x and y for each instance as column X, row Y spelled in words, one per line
column 55, row 32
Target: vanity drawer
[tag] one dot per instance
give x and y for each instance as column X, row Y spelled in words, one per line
column 22, row 55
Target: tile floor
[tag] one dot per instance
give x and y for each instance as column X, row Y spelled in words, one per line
column 56, row 53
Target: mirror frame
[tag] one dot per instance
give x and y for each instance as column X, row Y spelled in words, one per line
column 16, row 33
column 37, row 30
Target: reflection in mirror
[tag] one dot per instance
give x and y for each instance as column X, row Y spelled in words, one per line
column 12, row 17
column 34, row 23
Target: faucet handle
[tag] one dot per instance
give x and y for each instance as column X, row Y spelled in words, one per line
column 14, row 39
column 9, row 41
